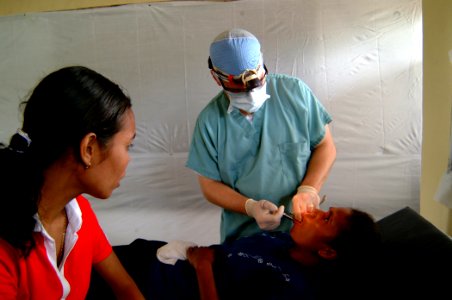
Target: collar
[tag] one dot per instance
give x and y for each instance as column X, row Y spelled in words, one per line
column 74, row 215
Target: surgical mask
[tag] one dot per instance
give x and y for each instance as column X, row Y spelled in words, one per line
column 248, row 101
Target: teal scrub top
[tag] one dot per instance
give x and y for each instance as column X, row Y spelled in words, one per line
column 262, row 159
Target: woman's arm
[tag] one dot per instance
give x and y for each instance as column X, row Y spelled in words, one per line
column 201, row 258
column 117, row 277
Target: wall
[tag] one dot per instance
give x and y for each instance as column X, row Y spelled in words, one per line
column 363, row 60
column 437, row 99
column 12, row 7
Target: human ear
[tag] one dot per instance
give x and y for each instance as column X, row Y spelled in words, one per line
column 327, row 253
column 87, row 149
column 215, row 77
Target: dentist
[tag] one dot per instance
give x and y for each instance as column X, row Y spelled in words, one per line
column 261, row 144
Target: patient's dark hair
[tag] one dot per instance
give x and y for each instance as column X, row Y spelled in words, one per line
column 358, row 248
column 359, row 240
column 65, row 106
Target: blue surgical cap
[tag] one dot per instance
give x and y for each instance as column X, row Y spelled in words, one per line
column 234, row 51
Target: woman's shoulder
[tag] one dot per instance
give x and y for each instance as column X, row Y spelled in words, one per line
column 82, row 204
column 82, row 201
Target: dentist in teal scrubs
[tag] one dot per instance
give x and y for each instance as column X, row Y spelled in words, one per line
column 262, row 144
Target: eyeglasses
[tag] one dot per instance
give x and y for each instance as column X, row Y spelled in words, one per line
column 244, row 82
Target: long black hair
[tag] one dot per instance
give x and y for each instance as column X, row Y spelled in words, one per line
column 66, row 105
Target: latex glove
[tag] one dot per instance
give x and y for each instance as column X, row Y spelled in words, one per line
column 267, row 214
column 174, row 250
column 305, row 200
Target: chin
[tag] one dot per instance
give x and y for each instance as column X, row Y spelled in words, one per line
column 102, row 196
column 107, row 195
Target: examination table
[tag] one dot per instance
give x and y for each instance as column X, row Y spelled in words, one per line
column 416, row 263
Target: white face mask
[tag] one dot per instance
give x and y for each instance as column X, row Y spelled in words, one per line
column 248, row 101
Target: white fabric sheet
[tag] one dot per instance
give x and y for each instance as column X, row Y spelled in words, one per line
column 361, row 58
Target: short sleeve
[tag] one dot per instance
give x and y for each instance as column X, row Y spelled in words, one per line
column 203, row 154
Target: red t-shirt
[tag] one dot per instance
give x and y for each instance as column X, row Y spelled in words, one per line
column 36, row 277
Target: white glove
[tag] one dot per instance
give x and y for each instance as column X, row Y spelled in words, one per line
column 267, row 214
column 313, row 197
column 174, row 250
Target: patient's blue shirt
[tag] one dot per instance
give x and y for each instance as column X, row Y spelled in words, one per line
column 260, row 267
column 255, row 267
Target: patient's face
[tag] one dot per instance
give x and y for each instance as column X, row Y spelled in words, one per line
column 316, row 229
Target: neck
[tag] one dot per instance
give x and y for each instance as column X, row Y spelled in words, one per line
column 49, row 216
column 303, row 256
column 245, row 113
column 59, row 187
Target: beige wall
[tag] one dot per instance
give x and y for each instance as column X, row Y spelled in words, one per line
column 437, row 99
column 437, row 89
column 13, row 7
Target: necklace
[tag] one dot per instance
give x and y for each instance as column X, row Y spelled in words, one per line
column 60, row 253
column 54, row 232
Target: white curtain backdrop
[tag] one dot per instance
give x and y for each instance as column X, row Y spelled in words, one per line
column 361, row 58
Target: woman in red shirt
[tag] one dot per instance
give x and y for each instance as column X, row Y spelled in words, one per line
column 77, row 129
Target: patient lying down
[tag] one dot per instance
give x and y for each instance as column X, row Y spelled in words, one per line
column 268, row 265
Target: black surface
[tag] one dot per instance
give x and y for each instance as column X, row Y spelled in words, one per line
column 415, row 263
column 416, row 259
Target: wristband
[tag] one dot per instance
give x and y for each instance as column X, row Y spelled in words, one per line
column 307, row 189
column 248, row 204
